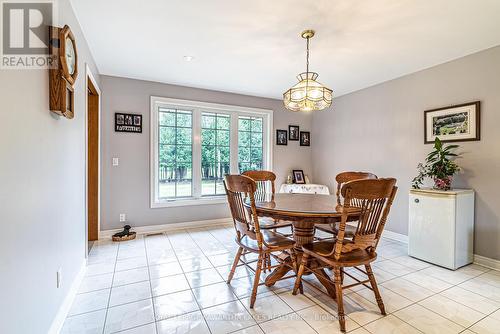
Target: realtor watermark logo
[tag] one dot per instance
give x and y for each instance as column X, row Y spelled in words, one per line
column 26, row 34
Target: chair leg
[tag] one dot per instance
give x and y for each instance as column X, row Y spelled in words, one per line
column 235, row 263
column 298, row 280
column 295, row 264
column 373, row 283
column 256, row 281
column 340, row 301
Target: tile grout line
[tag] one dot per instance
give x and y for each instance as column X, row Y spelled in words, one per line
column 190, row 290
column 417, row 302
column 111, row 289
column 150, row 284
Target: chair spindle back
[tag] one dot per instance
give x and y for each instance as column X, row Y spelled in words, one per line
column 240, row 188
column 374, row 198
column 264, row 180
column 344, row 177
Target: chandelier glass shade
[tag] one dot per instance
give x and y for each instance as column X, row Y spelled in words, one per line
column 307, row 94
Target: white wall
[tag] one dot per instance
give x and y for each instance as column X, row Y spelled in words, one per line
column 42, row 193
column 125, row 188
column 381, row 128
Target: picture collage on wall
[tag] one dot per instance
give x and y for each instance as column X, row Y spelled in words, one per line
column 293, row 134
column 128, row 123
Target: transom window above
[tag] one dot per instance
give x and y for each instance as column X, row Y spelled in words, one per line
column 194, row 144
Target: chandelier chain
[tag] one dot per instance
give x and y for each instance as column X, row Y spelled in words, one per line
column 307, row 55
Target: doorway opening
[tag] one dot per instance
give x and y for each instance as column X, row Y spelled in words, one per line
column 93, row 104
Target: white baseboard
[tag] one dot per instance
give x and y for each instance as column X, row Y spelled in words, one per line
column 395, row 236
column 58, row 321
column 487, row 262
column 151, row 229
column 478, row 259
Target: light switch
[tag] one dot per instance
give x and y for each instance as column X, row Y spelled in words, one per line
column 116, row 161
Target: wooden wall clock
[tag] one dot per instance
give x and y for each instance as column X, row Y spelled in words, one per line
column 62, row 76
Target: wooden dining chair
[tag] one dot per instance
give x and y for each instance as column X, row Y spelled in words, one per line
column 374, row 199
column 265, row 185
column 249, row 236
column 341, row 179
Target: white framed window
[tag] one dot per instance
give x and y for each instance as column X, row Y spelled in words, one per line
column 194, row 144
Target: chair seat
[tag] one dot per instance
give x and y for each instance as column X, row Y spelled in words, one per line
column 273, row 241
column 330, row 228
column 268, row 223
column 351, row 259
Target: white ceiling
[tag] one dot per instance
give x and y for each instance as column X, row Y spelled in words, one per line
column 253, row 46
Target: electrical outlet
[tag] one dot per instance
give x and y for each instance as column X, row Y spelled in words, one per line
column 59, row 278
column 123, row 217
column 116, row 161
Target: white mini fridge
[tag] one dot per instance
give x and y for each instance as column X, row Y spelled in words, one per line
column 441, row 226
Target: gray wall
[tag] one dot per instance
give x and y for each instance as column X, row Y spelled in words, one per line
column 380, row 129
column 42, row 193
column 125, row 188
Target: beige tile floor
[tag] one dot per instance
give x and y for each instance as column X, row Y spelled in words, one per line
column 175, row 284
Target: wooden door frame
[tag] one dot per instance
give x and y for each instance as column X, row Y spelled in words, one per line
column 89, row 76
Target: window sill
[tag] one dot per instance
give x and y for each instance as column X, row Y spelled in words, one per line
column 188, row 202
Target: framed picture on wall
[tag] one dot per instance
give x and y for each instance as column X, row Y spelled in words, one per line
column 455, row 123
column 293, row 132
column 305, row 138
column 281, row 137
column 128, row 122
column 298, row 176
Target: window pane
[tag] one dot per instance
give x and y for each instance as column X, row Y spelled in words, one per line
column 208, row 121
column 184, row 119
column 208, row 137
column 175, row 153
column 250, row 143
column 167, row 154
column 257, row 124
column 256, row 153
column 183, row 136
column 167, row 117
column 222, row 137
column 224, row 155
column 244, row 124
column 215, row 152
column 207, row 154
column 256, row 139
column 223, row 122
column 167, row 135
column 244, row 154
column 184, row 153
column 244, row 166
column 243, row 138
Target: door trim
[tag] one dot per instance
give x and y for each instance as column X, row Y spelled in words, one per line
column 90, row 76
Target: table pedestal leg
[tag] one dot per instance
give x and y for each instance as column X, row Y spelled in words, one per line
column 303, row 233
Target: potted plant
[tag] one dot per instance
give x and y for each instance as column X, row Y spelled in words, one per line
column 439, row 166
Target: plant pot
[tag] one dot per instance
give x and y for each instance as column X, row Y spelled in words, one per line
column 443, row 184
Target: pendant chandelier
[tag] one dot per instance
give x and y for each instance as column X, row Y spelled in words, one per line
column 307, row 94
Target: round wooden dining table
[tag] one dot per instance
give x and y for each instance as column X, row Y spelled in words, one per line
column 304, row 211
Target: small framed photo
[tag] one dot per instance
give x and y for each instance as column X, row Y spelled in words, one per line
column 305, row 138
column 298, row 176
column 455, row 123
column 281, row 137
column 293, row 132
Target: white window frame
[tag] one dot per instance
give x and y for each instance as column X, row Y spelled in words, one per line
column 197, row 109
